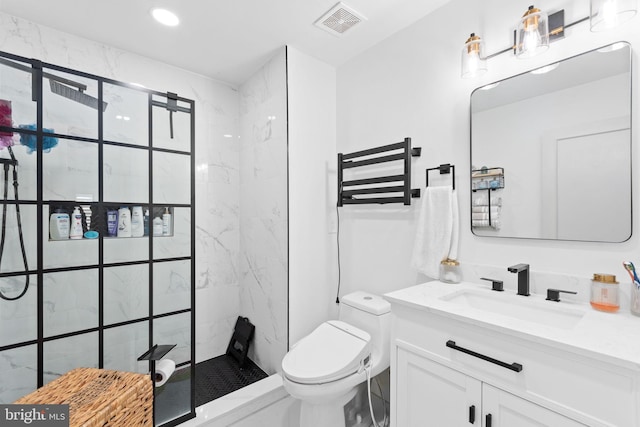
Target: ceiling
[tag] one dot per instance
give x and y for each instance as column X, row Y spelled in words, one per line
column 227, row 40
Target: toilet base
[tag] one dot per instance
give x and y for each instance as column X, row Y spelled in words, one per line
column 348, row 410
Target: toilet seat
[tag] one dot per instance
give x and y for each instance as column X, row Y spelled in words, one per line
column 334, row 350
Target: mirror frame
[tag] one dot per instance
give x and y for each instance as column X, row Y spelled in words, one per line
column 475, row 230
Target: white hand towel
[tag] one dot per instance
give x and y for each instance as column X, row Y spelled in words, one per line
column 477, row 209
column 437, row 231
column 485, row 215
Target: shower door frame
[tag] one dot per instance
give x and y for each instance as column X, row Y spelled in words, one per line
column 40, row 203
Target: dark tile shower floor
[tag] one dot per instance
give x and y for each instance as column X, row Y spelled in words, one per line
column 222, row 375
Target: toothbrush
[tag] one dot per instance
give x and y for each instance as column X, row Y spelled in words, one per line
column 628, row 265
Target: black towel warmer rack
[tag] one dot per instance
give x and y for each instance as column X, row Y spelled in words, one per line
column 346, row 192
column 444, row 169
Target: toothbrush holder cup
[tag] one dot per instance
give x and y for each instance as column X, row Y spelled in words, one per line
column 635, row 299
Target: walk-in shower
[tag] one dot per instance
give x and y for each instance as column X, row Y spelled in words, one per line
column 84, row 146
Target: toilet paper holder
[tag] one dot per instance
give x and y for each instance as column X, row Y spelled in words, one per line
column 154, row 354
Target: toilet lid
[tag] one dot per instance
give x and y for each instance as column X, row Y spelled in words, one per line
column 332, row 351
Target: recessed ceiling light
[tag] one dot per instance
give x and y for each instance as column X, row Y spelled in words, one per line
column 165, row 17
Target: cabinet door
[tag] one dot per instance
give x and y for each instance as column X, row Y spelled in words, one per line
column 502, row 409
column 429, row 394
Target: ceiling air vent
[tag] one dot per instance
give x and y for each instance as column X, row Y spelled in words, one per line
column 339, row 19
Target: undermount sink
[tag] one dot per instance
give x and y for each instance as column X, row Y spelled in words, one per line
column 518, row 307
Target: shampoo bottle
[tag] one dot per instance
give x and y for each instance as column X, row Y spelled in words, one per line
column 137, row 222
column 59, row 225
column 76, row 232
column 166, row 223
column 124, row 222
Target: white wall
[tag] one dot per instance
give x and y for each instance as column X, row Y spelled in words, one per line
column 410, row 85
column 263, row 211
column 312, row 192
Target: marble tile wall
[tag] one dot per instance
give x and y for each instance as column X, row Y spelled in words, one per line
column 71, row 300
column 263, row 211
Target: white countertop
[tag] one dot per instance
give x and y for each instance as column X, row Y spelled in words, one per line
column 609, row 337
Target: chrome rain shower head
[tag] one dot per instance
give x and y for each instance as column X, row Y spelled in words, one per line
column 76, row 95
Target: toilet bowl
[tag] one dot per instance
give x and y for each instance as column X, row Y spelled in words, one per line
column 325, row 369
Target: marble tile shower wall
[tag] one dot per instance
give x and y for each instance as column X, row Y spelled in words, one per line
column 70, row 301
column 263, row 211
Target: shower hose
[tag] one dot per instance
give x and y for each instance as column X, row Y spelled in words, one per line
column 13, row 162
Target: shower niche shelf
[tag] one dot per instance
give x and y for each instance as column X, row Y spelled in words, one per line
column 96, row 221
column 77, row 134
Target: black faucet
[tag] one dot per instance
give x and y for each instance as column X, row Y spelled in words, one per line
column 523, row 278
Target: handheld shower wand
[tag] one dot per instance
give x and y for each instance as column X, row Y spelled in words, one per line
column 7, row 164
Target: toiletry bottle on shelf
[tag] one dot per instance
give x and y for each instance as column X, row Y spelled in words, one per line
column 145, row 223
column 166, row 223
column 86, row 210
column 137, row 222
column 76, row 232
column 59, row 225
column 124, row 222
column 112, row 222
column 157, row 226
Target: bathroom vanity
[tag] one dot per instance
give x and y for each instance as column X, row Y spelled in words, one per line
column 466, row 355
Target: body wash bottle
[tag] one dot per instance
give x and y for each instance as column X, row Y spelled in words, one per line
column 137, row 222
column 76, row 231
column 124, row 222
column 157, row 226
column 112, row 223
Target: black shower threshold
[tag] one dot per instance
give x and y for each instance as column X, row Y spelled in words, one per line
column 222, row 375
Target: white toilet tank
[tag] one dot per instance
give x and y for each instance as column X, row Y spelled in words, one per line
column 372, row 314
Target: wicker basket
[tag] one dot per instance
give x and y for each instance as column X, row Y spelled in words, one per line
column 99, row 397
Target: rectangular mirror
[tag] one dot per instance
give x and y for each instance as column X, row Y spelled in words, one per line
column 551, row 151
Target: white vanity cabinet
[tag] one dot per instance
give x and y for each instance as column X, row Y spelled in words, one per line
column 457, row 367
column 430, row 394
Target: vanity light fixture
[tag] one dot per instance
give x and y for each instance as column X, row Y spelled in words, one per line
column 532, row 34
column 536, row 30
column 165, row 17
column 474, row 62
column 606, row 14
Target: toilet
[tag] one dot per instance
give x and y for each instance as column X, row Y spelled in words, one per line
column 325, row 369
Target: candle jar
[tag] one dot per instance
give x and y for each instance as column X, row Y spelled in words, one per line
column 450, row 271
column 604, row 293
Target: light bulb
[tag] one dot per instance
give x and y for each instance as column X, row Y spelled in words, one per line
column 531, row 41
column 607, row 14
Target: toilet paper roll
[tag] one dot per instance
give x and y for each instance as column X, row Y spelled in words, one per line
column 164, row 369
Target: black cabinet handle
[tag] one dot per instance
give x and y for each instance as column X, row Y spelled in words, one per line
column 512, row 366
column 472, row 414
column 487, row 420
